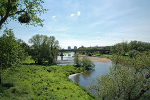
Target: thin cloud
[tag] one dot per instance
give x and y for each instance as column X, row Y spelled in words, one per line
column 54, row 16
column 72, row 15
column 78, row 13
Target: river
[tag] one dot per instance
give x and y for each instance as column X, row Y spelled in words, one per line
column 86, row 78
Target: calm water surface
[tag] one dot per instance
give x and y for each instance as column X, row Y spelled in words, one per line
column 86, row 78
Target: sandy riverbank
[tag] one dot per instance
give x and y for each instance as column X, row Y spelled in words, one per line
column 70, row 76
column 95, row 59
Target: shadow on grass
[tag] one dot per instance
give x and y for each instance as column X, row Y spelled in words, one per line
column 5, row 86
column 44, row 64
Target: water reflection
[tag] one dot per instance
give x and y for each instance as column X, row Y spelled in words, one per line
column 85, row 75
column 77, row 78
column 66, row 59
column 61, row 57
column 88, row 73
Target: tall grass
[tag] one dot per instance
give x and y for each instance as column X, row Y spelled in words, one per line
column 39, row 82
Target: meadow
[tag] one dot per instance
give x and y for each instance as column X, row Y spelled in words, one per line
column 42, row 82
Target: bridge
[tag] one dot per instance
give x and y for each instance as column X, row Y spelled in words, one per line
column 86, row 50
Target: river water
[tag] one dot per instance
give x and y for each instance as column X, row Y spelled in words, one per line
column 86, row 78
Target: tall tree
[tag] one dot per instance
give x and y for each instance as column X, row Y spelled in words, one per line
column 119, row 48
column 11, row 53
column 25, row 11
column 54, row 47
column 44, row 48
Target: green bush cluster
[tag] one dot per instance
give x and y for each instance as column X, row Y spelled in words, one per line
column 85, row 62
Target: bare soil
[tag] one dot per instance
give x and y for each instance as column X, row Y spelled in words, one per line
column 95, row 59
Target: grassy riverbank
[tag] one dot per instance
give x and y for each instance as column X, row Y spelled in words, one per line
column 39, row 82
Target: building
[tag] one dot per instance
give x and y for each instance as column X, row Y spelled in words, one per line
column 69, row 47
column 75, row 47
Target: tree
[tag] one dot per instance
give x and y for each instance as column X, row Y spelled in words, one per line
column 44, row 48
column 120, row 48
column 11, row 53
column 85, row 62
column 128, row 81
column 25, row 11
column 77, row 61
column 25, row 46
column 54, row 47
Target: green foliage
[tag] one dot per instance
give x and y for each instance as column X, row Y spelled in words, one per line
column 39, row 82
column 128, row 79
column 85, row 62
column 44, row 48
column 119, row 49
column 139, row 46
column 11, row 53
column 132, row 48
column 133, row 53
column 106, row 56
column 25, row 46
column 77, row 61
column 25, row 11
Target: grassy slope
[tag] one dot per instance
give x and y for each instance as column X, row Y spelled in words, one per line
column 42, row 82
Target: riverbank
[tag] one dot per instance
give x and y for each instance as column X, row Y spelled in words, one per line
column 72, row 75
column 95, row 59
column 40, row 82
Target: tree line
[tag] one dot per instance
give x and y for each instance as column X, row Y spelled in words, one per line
column 124, row 48
column 132, row 48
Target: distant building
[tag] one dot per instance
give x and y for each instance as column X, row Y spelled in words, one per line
column 75, row 47
column 69, row 47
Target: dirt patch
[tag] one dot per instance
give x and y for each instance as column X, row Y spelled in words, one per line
column 95, row 59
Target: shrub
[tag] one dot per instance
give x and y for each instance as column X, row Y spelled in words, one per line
column 76, row 60
column 133, row 53
column 86, row 62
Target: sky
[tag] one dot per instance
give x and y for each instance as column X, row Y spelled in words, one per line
column 90, row 22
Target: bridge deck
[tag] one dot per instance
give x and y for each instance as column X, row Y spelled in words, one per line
column 63, row 50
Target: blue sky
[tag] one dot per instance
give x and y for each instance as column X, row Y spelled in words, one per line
column 91, row 22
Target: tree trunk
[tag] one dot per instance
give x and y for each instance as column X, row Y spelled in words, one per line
column 7, row 14
column 0, row 75
column 39, row 62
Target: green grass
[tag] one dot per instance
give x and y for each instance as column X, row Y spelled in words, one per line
column 39, row 82
column 106, row 56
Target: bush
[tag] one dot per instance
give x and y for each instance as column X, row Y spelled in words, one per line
column 133, row 53
column 76, row 60
column 85, row 62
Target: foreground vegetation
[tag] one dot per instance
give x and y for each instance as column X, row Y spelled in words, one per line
column 41, row 82
column 128, row 79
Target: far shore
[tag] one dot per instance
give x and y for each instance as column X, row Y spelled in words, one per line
column 95, row 59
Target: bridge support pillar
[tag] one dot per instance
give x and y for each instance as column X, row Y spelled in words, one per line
column 75, row 52
column 61, row 57
column 61, row 54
